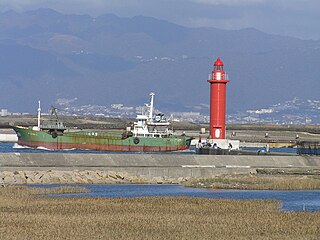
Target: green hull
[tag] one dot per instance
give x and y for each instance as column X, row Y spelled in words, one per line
column 99, row 141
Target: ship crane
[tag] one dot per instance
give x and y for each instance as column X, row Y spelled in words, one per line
column 53, row 125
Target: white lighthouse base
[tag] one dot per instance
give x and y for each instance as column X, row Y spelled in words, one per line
column 224, row 144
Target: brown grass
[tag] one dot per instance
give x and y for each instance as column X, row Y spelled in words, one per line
column 252, row 182
column 26, row 216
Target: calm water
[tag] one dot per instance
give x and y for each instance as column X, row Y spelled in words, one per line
column 281, row 150
column 290, row 200
column 12, row 147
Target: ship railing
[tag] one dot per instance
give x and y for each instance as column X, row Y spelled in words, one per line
column 154, row 135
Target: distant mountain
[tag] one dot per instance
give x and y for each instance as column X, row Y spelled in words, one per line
column 296, row 111
column 109, row 59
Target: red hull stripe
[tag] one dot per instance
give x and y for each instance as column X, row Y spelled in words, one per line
column 100, row 147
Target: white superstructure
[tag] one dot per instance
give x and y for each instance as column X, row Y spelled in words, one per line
column 148, row 125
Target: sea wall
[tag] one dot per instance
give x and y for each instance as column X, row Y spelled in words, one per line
column 8, row 137
column 21, row 168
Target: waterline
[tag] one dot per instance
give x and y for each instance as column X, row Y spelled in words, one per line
column 290, row 200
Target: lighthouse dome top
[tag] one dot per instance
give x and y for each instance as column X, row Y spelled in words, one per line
column 218, row 63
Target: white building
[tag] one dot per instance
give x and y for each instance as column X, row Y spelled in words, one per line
column 4, row 113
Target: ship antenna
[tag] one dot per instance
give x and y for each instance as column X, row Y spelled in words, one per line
column 151, row 105
column 39, row 114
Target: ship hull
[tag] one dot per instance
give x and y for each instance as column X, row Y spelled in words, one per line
column 99, row 141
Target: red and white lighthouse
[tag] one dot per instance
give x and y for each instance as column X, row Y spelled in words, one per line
column 218, row 84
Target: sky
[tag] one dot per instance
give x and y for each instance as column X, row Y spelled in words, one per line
column 296, row 18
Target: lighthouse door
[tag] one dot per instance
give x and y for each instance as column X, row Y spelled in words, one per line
column 217, row 133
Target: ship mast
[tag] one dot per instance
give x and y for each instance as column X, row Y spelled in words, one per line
column 39, row 114
column 151, row 105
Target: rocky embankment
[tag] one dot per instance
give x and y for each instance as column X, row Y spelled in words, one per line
column 51, row 168
column 78, row 177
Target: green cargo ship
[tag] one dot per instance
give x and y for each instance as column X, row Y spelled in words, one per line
column 149, row 134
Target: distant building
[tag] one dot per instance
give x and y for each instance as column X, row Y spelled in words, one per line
column 4, row 113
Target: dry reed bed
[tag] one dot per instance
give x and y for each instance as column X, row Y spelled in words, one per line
column 27, row 216
column 256, row 182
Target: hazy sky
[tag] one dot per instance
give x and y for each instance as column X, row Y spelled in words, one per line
column 299, row 18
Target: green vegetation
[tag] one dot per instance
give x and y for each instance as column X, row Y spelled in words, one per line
column 256, row 182
column 24, row 215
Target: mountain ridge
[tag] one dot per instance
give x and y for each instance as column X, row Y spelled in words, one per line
column 107, row 59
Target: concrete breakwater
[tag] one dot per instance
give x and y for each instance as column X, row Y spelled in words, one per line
column 8, row 137
column 27, row 168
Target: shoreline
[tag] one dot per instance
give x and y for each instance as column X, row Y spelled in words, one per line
column 258, row 182
column 277, row 180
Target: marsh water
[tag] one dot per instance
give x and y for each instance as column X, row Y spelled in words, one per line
column 290, row 200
